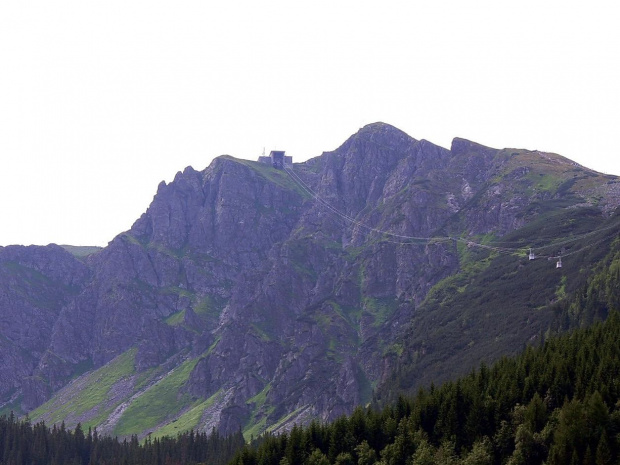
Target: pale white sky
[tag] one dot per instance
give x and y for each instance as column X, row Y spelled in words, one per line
column 101, row 100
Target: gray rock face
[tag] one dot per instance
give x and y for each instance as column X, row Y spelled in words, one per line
column 35, row 284
column 287, row 289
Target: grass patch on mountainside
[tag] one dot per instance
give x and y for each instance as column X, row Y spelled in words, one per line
column 260, row 333
column 176, row 318
column 340, row 325
column 286, row 418
column 255, row 429
column 274, row 175
column 207, row 309
column 80, row 251
column 186, row 421
column 257, row 423
column 94, row 391
column 380, row 308
column 178, row 291
column 14, row 406
column 472, row 260
column 210, row 306
column 554, row 173
column 157, row 404
column 351, row 315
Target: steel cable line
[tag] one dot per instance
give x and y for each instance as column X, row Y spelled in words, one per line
column 353, row 220
column 469, row 243
column 572, row 252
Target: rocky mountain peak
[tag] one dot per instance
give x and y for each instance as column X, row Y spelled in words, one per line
column 462, row 146
column 379, row 135
column 382, row 131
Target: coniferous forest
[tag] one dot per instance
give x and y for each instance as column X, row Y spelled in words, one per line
column 35, row 444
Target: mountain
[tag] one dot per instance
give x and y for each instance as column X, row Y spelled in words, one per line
column 249, row 297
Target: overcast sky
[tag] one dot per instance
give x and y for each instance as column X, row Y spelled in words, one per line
column 102, row 100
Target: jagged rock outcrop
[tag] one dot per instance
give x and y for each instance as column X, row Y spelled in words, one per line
column 269, row 296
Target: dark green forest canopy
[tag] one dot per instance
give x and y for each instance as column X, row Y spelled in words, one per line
column 22, row 443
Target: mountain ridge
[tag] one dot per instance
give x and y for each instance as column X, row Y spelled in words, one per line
column 263, row 297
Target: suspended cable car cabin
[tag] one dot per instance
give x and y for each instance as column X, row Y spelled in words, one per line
column 532, row 256
column 559, row 263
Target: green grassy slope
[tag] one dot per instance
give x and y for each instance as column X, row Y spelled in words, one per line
column 91, row 397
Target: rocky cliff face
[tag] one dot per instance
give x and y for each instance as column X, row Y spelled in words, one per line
column 262, row 297
column 35, row 284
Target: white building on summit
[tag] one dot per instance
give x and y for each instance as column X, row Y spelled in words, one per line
column 278, row 159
